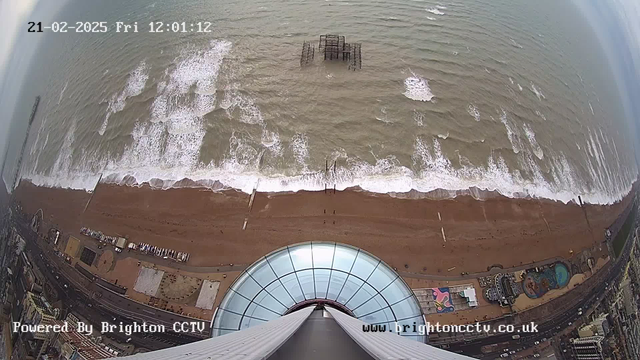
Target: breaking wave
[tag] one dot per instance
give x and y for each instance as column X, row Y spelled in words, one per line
column 536, row 91
column 512, row 132
column 473, row 111
column 435, row 11
column 431, row 170
column 531, row 136
column 164, row 150
column 135, row 85
column 417, row 88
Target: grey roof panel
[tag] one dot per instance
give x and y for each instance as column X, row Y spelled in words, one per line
column 388, row 345
column 257, row 342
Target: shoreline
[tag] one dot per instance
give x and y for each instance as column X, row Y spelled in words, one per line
column 475, row 192
column 423, row 236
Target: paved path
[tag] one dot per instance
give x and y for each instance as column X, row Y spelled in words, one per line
column 405, row 274
column 480, row 274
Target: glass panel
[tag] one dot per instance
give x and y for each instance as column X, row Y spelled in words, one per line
column 262, row 273
column 301, row 256
column 322, row 282
column 337, row 280
column 406, row 308
column 322, row 255
column 248, row 322
column 344, row 258
column 381, row 277
column 225, row 332
column 396, row 291
column 281, row 262
column 235, row 303
column 350, row 287
column 303, row 272
column 261, row 313
column 381, row 316
column 280, row 293
column 308, row 286
column 365, row 293
column 291, row 283
column 247, row 286
column 265, row 299
column 227, row 320
column 364, row 266
column 375, row 303
column 411, row 326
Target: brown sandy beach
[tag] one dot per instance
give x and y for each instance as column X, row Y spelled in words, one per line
column 405, row 233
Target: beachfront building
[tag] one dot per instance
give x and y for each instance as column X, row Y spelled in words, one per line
column 504, row 289
column 599, row 326
column 73, row 345
column 470, row 295
column 315, row 301
column 35, row 311
column 588, row 348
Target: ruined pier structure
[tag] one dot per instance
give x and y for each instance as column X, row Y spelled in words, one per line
column 333, row 47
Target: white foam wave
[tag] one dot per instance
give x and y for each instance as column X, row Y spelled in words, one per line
column 417, row 88
column 441, row 7
column 180, row 112
column 435, row 11
column 62, row 92
column 300, row 147
column 514, row 43
column 519, row 87
column 444, row 137
column 242, row 104
column 271, row 140
column 36, row 147
column 511, row 80
column 541, row 115
column 531, row 136
column 591, row 107
column 166, row 149
column 431, row 18
column 384, row 117
column 418, row 117
column 512, row 132
column 134, row 86
column 537, row 91
column 431, row 170
column 473, row 111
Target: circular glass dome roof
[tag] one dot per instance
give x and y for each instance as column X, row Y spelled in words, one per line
column 346, row 277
